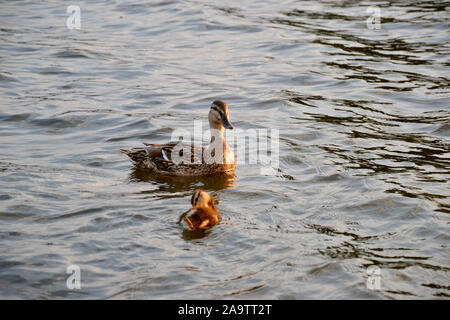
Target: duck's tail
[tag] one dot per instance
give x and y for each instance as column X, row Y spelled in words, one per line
column 136, row 155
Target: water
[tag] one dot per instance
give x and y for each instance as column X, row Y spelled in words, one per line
column 364, row 122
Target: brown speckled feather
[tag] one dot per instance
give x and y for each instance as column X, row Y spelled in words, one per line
column 151, row 158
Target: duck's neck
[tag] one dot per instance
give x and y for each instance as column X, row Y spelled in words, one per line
column 217, row 131
column 218, row 139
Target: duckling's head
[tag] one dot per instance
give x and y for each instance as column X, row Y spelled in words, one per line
column 201, row 198
column 218, row 116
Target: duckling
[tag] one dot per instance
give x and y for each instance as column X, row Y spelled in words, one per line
column 158, row 157
column 203, row 214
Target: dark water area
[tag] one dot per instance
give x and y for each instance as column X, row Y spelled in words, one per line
column 364, row 162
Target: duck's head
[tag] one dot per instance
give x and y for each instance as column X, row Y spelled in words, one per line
column 201, row 199
column 218, row 116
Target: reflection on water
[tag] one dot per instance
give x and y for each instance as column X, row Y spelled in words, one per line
column 193, row 235
column 183, row 183
column 364, row 123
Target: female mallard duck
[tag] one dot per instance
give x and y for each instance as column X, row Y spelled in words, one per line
column 167, row 159
column 203, row 214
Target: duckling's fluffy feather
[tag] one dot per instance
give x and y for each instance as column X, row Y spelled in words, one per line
column 203, row 214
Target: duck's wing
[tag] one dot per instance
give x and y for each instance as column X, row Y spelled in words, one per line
column 161, row 158
column 168, row 150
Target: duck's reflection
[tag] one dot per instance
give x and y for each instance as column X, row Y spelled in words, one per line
column 196, row 234
column 183, row 183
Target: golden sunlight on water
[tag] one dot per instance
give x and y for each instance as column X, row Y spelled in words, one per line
column 356, row 207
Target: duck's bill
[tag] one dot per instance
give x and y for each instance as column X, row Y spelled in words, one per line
column 226, row 122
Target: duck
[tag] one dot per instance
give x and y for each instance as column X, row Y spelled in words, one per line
column 203, row 215
column 164, row 159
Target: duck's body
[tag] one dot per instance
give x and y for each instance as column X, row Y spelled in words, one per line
column 203, row 214
column 169, row 159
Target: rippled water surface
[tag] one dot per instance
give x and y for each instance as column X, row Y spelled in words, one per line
column 364, row 130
